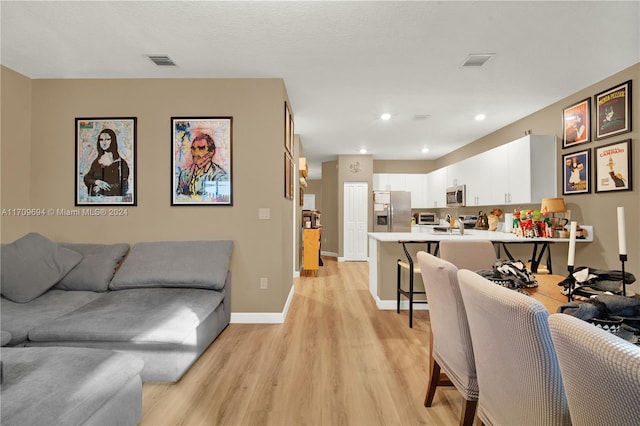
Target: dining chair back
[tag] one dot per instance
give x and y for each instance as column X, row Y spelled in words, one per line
column 600, row 371
column 451, row 349
column 518, row 372
column 469, row 254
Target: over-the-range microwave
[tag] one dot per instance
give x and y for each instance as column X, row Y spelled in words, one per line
column 456, row 196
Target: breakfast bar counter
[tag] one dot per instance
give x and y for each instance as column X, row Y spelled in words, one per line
column 385, row 250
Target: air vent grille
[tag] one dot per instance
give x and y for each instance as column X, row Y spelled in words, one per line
column 421, row 117
column 477, row 60
column 162, row 60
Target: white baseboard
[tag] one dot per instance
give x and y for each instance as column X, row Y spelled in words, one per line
column 328, row 253
column 263, row 317
column 390, row 305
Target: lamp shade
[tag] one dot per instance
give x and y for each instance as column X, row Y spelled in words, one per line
column 553, row 205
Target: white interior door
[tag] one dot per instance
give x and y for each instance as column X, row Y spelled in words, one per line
column 356, row 196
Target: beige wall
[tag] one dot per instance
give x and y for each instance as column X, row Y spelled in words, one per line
column 263, row 248
column 403, row 166
column 330, row 220
column 15, row 152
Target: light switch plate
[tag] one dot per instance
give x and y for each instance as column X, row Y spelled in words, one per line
column 264, row 213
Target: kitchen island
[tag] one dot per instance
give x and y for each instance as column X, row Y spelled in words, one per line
column 385, row 250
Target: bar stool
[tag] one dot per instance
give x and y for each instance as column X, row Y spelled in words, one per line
column 413, row 269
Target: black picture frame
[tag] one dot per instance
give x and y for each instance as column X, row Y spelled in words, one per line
column 613, row 167
column 105, row 169
column 613, row 111
column 201, row 161
column 576, row 174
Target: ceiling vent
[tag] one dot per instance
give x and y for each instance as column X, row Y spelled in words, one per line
column 421, row 117
column 477, row 59
column 162, row 60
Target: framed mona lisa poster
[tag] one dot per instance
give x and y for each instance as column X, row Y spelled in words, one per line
column 105, row 172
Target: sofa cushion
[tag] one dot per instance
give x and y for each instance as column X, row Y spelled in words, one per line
column 95, row 271
column 195, row 264
column 5, row 338
column 141, row 315
column 19, row 318
column 64, row 386
column 33, row 264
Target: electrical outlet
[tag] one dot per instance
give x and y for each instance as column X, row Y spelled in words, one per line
column 264, row 283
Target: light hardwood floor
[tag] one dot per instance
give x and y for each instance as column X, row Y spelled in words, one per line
column 337, row 360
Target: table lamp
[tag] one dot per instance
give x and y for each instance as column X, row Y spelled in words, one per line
column 551, row 206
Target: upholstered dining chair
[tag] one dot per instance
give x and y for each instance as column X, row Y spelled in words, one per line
column 469, row 254
column 518, row 372
column 451, row 350
column 600, row 371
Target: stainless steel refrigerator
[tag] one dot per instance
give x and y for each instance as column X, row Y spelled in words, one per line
column 391, row 211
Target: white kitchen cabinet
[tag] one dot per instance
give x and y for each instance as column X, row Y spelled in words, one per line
column 436, row 188
column 520, row 172
column 531, row 169
column 389, row 182
column 417, row 185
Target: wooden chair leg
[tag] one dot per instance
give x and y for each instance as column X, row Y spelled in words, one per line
column 468, row 413
column 433, row 383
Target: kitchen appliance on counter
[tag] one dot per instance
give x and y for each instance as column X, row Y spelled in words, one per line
column 391, row 211
column 426, row 218
column 469, row 220
column 456, row 196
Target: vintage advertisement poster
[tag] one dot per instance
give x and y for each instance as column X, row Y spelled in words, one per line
column 613, row 167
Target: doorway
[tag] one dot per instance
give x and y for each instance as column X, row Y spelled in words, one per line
column 355, row 221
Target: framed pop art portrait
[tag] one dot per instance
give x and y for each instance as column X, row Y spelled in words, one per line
column 576, row 124
column 105, row 161
column 576, row 173
column 201, row 149
column 613, row 111
column 613, row 167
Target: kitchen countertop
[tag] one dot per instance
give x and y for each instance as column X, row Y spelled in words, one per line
column 427, row 233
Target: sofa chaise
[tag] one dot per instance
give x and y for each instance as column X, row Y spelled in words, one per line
column 165, row 303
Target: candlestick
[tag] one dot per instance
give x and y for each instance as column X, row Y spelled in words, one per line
column 572, row 244
column 622, row 239
column 572, row 281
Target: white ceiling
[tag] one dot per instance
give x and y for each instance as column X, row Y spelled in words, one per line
column 345, row 62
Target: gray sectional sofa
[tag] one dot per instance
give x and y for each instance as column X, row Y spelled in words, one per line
column 162, row 303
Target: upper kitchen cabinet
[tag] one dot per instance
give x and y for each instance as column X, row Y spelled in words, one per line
column 417, row 185
column 436, row 188
column 520, row 172
column 531, row 169
column 389, row 182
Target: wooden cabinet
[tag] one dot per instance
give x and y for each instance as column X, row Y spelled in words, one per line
column 311, row 250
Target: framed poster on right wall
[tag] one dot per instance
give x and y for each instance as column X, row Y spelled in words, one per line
column 576, row 175
column 613, row 166
column 613, row 111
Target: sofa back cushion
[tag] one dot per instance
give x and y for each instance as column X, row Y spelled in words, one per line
column 95, row 271
column 196, row 264
column 32, row 264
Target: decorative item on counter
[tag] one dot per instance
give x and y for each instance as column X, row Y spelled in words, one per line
column 530, row 223
column 483, row 221
column 493, row 219
column 550, row 206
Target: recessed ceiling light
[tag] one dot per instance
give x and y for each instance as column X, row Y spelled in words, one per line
column 385, row 116
column 425, row 150
column 363, row 150
column 480, row 117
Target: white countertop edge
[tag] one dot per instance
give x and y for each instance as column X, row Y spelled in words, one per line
column 471, row 234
